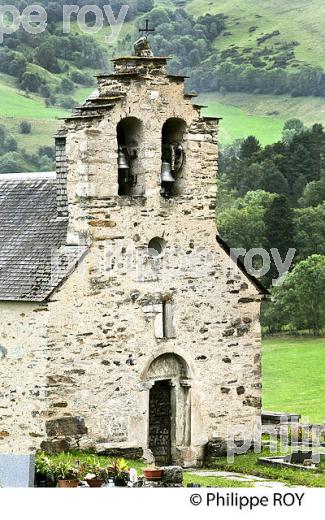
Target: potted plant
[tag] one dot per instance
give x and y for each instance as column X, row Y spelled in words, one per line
column 43, row 471
column 66, row 474
column 119, row 472
column 94, row 474
column 152, row 473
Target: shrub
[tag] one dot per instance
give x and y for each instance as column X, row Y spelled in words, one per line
column 67, row 102
column 25, row 127
column 67, row 86
column 81, row 78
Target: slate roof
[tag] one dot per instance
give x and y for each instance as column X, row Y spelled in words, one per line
column 34, row 257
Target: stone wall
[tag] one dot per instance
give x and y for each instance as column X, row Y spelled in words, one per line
column 23, row 369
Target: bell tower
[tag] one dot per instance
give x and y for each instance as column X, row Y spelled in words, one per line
column 138, row 140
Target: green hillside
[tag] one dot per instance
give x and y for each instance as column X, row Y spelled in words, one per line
column 300, row 41
column 260, row 115
column 297, row 20
column 17, row 106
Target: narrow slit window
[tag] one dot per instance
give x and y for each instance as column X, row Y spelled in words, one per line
column 164, row 321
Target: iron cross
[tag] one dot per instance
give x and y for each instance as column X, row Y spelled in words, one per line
column 147, row 29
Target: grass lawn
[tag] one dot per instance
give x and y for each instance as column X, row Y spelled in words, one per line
column 237, row 123
column 16, row 104
column 218, row 482
column 294, row 377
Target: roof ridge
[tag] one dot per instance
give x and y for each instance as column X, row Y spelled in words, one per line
column 27, row 176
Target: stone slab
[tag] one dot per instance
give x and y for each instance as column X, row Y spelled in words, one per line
column 256, row 482
column 17, row 470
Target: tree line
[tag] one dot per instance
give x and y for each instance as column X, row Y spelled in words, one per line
column 273, row 197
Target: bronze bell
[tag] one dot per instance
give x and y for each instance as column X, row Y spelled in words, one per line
column 123, row 176
column 122, row 161
column 166, row 172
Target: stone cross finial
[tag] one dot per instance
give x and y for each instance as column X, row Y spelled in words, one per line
column 147, row 29
column 142, row 46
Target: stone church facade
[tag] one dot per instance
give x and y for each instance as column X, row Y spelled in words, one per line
column 125, row 327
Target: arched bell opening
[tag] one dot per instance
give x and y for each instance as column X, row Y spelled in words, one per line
column 169, row 407
column 129, row 141
column 173, row 157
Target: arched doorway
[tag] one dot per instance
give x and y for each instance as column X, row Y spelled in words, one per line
column 169, row 410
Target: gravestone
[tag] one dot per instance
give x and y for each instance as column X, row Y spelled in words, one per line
column 298, row 457
column 17, row 470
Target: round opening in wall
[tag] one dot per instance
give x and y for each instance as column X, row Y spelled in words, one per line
column 156, row 246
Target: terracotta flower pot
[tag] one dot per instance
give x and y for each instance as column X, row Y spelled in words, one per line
column 68, row 483
column 152, row 474
column 95, row 482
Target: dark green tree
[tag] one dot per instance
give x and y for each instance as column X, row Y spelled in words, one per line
column 66, row 86
column 310, row 231
column 279, row 231
column 46, row 57
column 272, row 179
column 314, row 193
column 249, row 147
column 31, row 82
column 302, row 295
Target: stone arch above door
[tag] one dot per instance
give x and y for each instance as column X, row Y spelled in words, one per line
column 167, row 365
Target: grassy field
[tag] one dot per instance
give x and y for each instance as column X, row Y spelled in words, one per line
column 294, row 377
column 17, row 106
column 260, row 115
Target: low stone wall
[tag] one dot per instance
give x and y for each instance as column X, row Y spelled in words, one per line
column 219, row 448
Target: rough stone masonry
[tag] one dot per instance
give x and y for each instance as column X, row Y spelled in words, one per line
column 106, row 343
